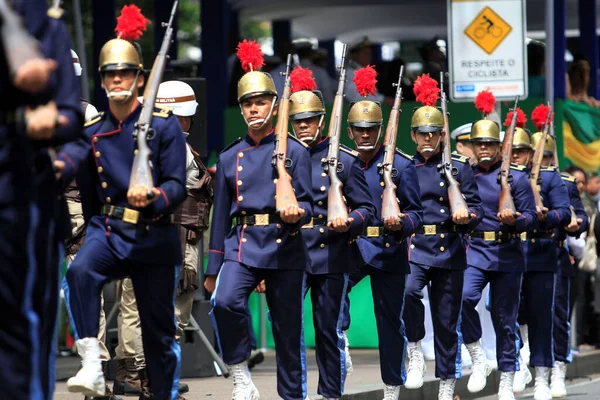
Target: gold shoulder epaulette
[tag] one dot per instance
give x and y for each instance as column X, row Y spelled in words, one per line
column 163, row 113
column 163, row 107
column 297, row 140
column 236, row 141
column 460, row 157
column 348, row 150
column 398, row 151
column 517, row 167
column 55, row 13
column 93, row 120
column 549, row 168
column 567, row 178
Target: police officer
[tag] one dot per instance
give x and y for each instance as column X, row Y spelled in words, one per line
column 437, row 255
column 329, row 241
column 128, row 233
column 384, row 248
column 540, row 247
column 264, row 244
column 495, row 256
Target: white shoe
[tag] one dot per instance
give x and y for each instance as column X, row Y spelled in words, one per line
column 349, row 366
column 480, row 368
column 391, row 392
column 416, row 366
column 525, row 352
column 505, row 389
column 522, row 377
column 243, row 387
column 557, row 380
column 446, row 391
column 89, row 379
column 542, row 389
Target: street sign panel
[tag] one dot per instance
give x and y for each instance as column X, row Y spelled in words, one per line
column 487, row 48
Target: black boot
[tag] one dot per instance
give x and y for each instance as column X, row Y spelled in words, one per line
column 146, row 392
column 132, row 386
column 183, row 387
column 119, row 383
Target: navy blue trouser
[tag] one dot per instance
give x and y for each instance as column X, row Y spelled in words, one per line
column 445, row 297
column 562, row 316
column 505, row 288
column 536, row 311
column 154, row 287
column 328, row 295
column 388, row 299
column 284, row 291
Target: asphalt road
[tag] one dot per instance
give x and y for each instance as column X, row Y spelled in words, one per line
column 585, row 388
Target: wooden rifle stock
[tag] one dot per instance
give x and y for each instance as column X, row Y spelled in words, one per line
column 506, row 200
column 336, row 206
column 455, row 196
column 389, row 201
column 284, row 192
column 536, row 165
column 141, row 171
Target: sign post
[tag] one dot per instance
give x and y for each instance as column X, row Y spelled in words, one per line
column 487, row 48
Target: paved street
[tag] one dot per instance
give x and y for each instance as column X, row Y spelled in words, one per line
column 584, row 388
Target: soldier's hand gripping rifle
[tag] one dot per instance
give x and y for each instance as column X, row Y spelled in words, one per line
column 504, row 178
column 141, row 171
column 284, row 192
column 536, row 165
column 390, row 208
column 336, row 206
column 455, row 197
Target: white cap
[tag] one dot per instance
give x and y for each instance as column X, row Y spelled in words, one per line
column 462, row 132
column 178, row 96
column 76, row 63
column 502, row 133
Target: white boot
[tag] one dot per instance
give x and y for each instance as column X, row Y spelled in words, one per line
column 391, row 392
column 480, row 368
column 522, row 377
column 243, row 387
column 542, row 389
column 446, row 391
column 557, row 380
column 505, row 390
column 525, row 351
column 89, row 379
column 349, row 366
column 416, row 366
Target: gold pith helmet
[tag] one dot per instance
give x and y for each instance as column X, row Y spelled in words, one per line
column 521, row 139
column 364, row 114
column 548, row 147
column 119, row 54
column 306, row 104
column 255, row 83
column 485, row 130
column 427, row 119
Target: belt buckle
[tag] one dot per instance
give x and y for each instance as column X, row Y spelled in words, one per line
column 261, row 219
column 311, row 224
column 372, row 231
column 430, row 229
column 489, row 236
column 131, row 216
column 523, row 236
column 111, row 210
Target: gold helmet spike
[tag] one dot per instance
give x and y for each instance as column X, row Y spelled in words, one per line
column 364, row 114
column 427, row 119
column 306, row 104
column 521, row 139
column 548, row 147
column 119, row 54
column 485, row 130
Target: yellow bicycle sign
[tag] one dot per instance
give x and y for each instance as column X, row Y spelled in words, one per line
column 488, row 30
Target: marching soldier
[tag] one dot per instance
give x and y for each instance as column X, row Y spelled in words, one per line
column 329, row 242
column 437, row 253
column 495, row 256
column 128, row 234
column 384, row 247
column 540, row 248
column 265, row 245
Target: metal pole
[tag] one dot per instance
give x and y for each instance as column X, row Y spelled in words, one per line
column 550, row 52
column 85, row 88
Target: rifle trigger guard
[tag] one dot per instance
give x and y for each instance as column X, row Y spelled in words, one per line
column 509, row 178
column 454, row 171
column 394, row 172
column 151, row 134
column 340, row 167
column 288, row 163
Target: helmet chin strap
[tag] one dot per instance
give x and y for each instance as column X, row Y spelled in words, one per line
column 310, row 140
column 428, row 151
column 261, row 121
column 488, row 159
column 370, row 147
column 127, row 94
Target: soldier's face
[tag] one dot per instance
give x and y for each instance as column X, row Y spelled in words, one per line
column 520, row 156
column 256, row 110
column 185, row 122
column 580, row 180
column 464, row 148
column 427, row 142
column 485, row 152
column 364, row 137
column 122, row 81
column 306, row 129
column 547, row 160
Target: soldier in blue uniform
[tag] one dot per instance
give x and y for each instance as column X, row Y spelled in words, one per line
column 39, row 109
column 128, row 234
column 540, row 247
column 332, row 252
column 437, row 255
column 264, row 244
column 495, row 256
column 384, row 249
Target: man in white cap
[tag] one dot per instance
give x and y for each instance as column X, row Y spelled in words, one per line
column 461, row 136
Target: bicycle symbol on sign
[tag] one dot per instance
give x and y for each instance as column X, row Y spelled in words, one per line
column 491, row 29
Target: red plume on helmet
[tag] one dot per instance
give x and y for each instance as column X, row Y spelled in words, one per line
column 250, row 55
column 539, row 115
column 131, row 24
column 302, row 79
column 365, row 80
column 427, row 91
column 521, row 118
column 485, row 102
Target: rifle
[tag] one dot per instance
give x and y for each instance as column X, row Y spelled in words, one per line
column 336, row 206
column 389, row 201
column 284, row 192
column 504, row 177
column 455, row 197
column 141, row 171
column 534, row 176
